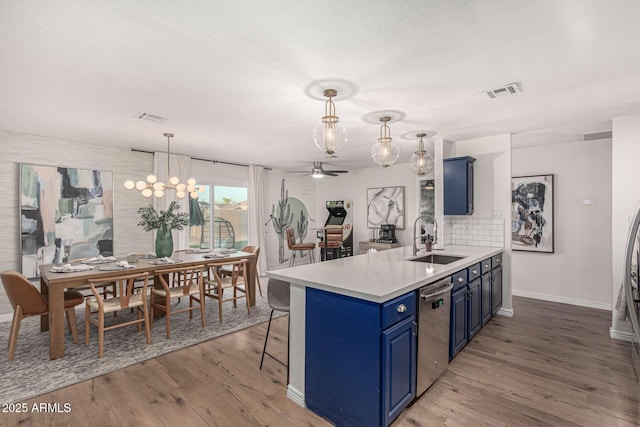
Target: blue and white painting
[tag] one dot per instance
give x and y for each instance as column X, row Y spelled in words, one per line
column 66, row 214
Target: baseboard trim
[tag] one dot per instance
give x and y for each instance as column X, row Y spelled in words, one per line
column 296, row 395
column 563, row 300
column 6, row 318
column 622, row 336
column 505, row 312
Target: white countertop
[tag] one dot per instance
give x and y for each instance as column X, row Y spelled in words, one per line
column 383, row 275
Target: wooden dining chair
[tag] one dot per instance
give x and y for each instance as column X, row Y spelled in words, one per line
column 226, row 269
column 293, row 247
column 189, row 286
column 214, row 288
column 127, row 296
column 27, row 301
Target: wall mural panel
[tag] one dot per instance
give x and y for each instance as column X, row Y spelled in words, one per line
column 532, row 213
column 385, row 206
column 289, row 213
column 66, row 214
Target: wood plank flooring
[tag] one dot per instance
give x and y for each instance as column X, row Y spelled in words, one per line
column 551, row 364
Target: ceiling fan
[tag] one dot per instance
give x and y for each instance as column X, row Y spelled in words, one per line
column 317, row 171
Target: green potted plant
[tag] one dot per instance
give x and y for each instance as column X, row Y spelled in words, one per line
column 164, row 222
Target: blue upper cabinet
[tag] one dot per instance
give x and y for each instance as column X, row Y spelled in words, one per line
column 458, row 185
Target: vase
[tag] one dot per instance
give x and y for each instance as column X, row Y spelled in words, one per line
column 164, row 243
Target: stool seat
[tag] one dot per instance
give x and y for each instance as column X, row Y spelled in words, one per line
column 298, row 247
column 303, row 246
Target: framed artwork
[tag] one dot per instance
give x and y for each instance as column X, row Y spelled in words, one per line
column 385, row 206
column 532, row 213
column 65, row 214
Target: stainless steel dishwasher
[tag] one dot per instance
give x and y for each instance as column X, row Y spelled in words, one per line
column 433, row 332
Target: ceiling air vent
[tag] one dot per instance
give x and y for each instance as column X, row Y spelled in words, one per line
column 597, row 135
column 150, row 117
column 510, row 89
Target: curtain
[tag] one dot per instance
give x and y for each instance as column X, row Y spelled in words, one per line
column 181, row 167
column 256, row 214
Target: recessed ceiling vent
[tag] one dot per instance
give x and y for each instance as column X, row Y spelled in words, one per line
column 151, row 117
column 597, row 135
column 510, row 89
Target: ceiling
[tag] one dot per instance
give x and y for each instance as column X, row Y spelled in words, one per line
column 239, row 81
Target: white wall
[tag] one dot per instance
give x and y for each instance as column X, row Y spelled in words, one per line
column 579, row 271
column 492, row 193
column 16, row 148
column 353, row 186
column 625, row 200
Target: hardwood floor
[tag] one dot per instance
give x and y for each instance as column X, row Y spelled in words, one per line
column 551, row 364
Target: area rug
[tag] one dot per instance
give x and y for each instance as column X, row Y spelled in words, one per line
column 31, row 373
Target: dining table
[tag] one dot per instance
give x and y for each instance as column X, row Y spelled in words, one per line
column 53, row 285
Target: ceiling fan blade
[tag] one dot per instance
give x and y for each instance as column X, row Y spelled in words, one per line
column 330, row 173
column 297, row 171
column 336, row 171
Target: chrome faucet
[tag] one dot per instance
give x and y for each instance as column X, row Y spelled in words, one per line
column 435, row 232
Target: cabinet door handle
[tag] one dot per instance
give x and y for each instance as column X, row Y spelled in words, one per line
column 414, row 328
column 486, row 266
column 402, row 308
column 474, row 271
column 460, row 280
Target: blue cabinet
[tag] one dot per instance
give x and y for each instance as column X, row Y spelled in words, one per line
column 398, row 367
column 475, row 298
column 496, row 289
column 458, row 185
column 360, row 357
column 486, row 298
column 475, row 307
column 459, row 323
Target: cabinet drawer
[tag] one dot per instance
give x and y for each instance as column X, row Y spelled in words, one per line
column 474, row 271
column 459, row 278
column 485, row 266
column 398, row 309
column 496, row 260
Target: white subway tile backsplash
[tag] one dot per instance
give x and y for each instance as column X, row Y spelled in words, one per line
column 463, row 230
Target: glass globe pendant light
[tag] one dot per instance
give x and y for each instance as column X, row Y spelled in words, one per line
column 153, row 187
column 385, row 152
column 330, row 134
column 421, row 162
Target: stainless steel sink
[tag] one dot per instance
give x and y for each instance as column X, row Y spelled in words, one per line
column 437, row 259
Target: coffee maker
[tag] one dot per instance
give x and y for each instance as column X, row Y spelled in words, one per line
column 387, row 233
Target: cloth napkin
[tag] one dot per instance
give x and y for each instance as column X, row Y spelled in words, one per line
column 166, row 260
column 68, row 268
column 101, row 258
column 215, row 255
column 223, row 251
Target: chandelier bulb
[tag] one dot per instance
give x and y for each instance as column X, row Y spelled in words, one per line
column 151, row 179
column 147, row 192
column 129, row 185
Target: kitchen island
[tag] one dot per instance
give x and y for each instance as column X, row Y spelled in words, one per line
column 360, row 294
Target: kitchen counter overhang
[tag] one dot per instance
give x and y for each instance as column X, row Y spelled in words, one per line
column 381, row 276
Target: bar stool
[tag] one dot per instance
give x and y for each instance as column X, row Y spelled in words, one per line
column 278, row 294
column 293, row 247
column 332, row 240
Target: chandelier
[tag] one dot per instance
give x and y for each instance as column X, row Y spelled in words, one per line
column 330, row 134
column 385, row 152
column 153, row 187
column 421, row 162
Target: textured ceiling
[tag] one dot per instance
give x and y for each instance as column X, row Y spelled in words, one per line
column 236, row 78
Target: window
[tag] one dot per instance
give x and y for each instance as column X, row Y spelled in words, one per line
column 219, row 218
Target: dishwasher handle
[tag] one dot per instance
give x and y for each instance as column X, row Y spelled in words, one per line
column 426, row 297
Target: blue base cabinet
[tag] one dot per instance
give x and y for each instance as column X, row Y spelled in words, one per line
column 360, row 357
column 474, row 303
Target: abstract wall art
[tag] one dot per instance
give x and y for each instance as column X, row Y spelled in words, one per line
column 385, row 206
column 66, row 214
column 532, row 208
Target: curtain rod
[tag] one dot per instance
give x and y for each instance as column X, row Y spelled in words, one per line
column 204, row 160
